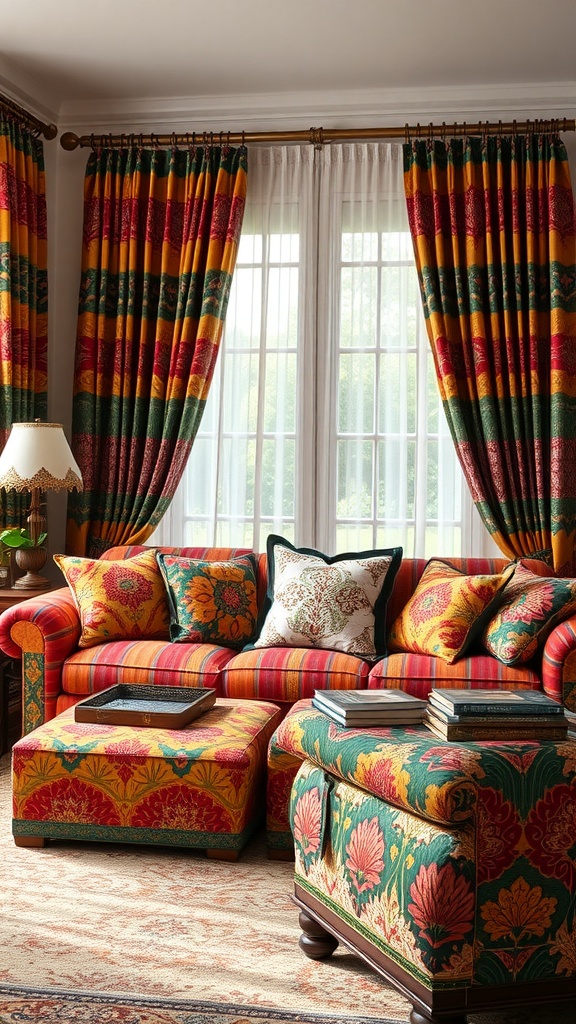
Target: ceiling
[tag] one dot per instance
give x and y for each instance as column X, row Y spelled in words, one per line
column 68, row 54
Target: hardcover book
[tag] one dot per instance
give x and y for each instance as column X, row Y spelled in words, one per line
column 352, row 720
column 542, row 719
column 495, row 702
column 369, row 700
column 370, row 707
column 502, row 731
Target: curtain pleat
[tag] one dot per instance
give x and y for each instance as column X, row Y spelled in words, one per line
column 23, row 292
column 161, row 232
column 493, row 229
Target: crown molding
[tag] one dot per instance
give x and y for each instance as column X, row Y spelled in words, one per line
column 293, row 110
column 327, row 109
column 24, row 90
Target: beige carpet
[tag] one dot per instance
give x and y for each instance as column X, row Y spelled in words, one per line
column 165, row 923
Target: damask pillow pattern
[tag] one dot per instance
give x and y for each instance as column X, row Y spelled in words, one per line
column 211, row 602
column 447, row 611
column 117, row 600
column 532, row 606
column 334, row 603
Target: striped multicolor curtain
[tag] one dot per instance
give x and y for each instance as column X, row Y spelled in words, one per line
column 161, row 232
column 23, row 292
column 492, row 222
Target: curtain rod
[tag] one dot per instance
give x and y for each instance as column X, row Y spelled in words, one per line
column 24, row 117
column 318, row 136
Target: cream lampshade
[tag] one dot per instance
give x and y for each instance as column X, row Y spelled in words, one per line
column 37, row 458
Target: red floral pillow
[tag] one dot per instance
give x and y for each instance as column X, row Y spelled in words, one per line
column 117, row 600
column 447, row 611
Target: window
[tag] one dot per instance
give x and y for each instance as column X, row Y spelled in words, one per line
column 324, row 422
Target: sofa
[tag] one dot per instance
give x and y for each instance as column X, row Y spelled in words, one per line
column 462, row 622
column 45, row 632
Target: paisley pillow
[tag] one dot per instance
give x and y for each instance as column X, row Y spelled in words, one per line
column 334, row 603
column 533, row 604
column 117, row 600
column 211, row 602
column 447, row 611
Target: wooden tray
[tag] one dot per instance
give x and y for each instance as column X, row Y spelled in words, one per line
column 166, row 707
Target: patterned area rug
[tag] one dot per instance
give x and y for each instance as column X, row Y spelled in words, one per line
column 19, row 1006
column 164, row 923
column 98, row 933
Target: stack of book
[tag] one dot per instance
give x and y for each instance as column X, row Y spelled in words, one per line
column 354, row 708
column 476, row 715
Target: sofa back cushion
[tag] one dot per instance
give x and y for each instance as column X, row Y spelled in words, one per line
column 207, row 554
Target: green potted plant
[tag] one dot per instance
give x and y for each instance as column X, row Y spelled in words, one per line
column 18, row 537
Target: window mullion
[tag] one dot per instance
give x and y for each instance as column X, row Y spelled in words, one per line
column 309, row 499
column 259, row 542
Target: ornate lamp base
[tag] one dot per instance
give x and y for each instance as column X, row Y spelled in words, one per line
column 31, row 560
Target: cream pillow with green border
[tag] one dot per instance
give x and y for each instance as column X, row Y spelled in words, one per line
column 336, row 603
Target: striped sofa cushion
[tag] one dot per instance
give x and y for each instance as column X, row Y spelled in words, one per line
column 419, row 673
column 132, row 661
column 290, row 673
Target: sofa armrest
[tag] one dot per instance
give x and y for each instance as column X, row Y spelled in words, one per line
column 43, row 631
column 559, row 664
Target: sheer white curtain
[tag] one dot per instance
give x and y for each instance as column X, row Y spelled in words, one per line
column 324, row 422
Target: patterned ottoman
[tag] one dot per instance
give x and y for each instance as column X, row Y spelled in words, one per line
column 449, row 867
column 202, row 786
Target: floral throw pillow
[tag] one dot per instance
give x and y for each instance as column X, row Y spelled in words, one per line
column 211, row 602
column 447, row 611
column 533, row 604
column 336, row 603
column 117, row 600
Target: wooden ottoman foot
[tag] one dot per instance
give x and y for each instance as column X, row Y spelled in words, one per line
column 216, row 854
column 315, row 941
column 29, row 841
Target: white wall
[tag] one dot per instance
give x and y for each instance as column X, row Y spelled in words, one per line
column 64, row 198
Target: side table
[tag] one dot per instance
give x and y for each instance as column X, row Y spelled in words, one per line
column 11, row 676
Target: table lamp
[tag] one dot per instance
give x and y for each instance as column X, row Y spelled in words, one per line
column 37, row 457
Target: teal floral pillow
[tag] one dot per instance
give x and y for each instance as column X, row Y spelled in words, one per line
column 532, row 606
column 211, row 602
